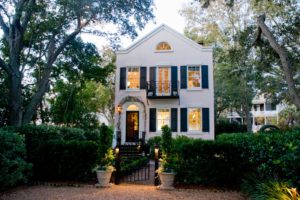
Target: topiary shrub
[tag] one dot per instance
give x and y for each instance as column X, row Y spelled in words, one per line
column 156, row 140
column 13, row 167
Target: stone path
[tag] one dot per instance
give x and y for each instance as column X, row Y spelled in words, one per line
column 117, row 192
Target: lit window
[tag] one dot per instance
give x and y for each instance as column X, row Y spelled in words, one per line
column 163, row 118
column 194, row 118
column 133, row 78
column 163, row 46
column 132, row 108
column 194, row 77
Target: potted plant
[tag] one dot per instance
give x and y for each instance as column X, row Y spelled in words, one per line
column 168, row 165
column 105, row 169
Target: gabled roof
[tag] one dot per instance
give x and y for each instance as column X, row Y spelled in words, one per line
column 170, row 30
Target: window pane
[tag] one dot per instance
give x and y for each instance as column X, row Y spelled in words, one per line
column 194, row 77
column 133, row 78
column 163, row 118
column 163, row 46
column 194, row 117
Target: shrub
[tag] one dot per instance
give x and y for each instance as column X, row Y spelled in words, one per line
column 274, row 190
column 166, row 140
column 211, row 163
column 106, row 136
column 227, row 127
column 62, row 153
column 65, row 160
column 13, row 167
column 232, row 157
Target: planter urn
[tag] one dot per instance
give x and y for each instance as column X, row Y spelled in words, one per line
column 167, row 180
column 103, row 177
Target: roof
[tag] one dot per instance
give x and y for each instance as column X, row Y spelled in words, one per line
column 160, row 28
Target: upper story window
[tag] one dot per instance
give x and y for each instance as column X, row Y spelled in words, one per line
column 163, row 46
column 194, row 77
column 133, row 78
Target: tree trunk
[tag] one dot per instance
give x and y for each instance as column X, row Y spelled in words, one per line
column 248, row 118
column 285, row 61
column 15, row 100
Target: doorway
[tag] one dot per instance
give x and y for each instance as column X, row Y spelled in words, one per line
column 132, row 126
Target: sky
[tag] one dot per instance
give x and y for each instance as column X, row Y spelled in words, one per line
column 165, row 12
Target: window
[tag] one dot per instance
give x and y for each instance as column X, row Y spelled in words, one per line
column 132, row 107
column 194, row 119
column 194, row 77
column 163, row 46
column 163, row 118
column 133, row 78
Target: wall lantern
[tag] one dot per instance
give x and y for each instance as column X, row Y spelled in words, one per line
column 119, row 109
column 117, row 150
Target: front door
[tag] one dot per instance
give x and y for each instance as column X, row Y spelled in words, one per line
column 132, row 126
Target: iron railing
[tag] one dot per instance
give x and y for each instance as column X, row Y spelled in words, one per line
column 162, row 89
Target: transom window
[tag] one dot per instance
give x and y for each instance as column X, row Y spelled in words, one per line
column 163, row 46
column 163, row 118
column 133, row 78
column 132, row 107
column 194, row 77
column 194, row 119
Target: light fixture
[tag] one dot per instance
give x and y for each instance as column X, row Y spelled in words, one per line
column 156, row 149
column 117, row 150
column 119, row 109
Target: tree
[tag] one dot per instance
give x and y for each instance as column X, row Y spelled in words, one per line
column 234, row 73
column 278, row 22
column 36, row 32
column 80, row 85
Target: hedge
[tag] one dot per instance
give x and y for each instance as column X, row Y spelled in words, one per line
column 233, row 157
column 62, row 153
column 223, row 126
column 13, row 167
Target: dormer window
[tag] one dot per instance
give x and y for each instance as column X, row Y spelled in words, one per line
column 163, row 46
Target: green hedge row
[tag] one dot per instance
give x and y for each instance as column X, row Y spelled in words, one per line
column 13, row 167
column 223, row 126
column 61, row 153
column 231, row 158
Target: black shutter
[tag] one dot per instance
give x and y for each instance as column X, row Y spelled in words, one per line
column 122, row 78
column 204, row 75
column 183, row 77
column 143, row 77
column 205, row 119
column 183, row 119
column 152, row 80
column 174, row 119
column 174, row 79
column 152, row 120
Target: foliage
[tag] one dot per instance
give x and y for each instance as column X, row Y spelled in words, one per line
column 130, row 166
column 223, row 126
column 107, row 162
column 166, row 140
column 105, row 143
column 232, row 157
column 106, row 136
column 156, row 140
column 61, row 153
column 289, row 118
column 273, row 190
column 13, row 168
column 40, row 31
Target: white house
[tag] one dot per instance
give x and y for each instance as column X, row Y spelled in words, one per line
column 164, row 79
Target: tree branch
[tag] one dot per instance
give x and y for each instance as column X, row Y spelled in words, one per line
column 4, row 26
column 285, row 61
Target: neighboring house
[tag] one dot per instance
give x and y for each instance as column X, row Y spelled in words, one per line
column 164, row 79
column 263, row 113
